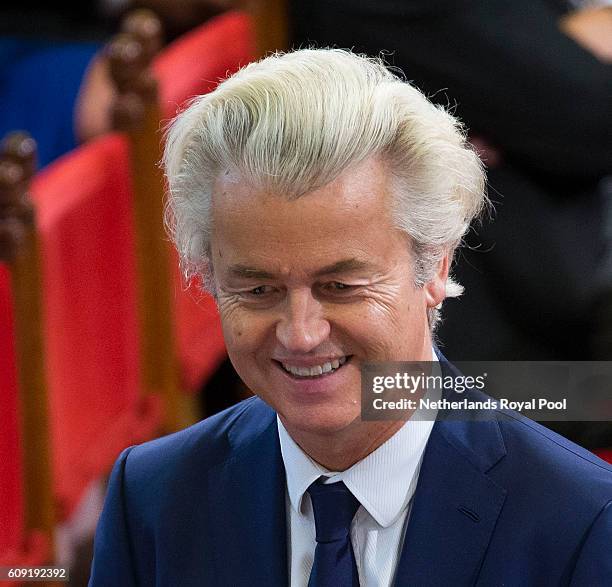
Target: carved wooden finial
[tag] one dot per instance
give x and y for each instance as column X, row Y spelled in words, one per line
column 130, row 55
column 21, row 147
column 17, row 166
column 147, row 28
column 127, row 61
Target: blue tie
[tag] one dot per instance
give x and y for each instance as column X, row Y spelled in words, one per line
column 334, row 508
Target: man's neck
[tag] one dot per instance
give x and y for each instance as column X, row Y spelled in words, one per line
column 341, row 450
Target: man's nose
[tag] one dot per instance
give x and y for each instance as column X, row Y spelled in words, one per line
column 303, row 326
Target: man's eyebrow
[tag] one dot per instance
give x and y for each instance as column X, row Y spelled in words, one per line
column 343, row 266
column 245, row 271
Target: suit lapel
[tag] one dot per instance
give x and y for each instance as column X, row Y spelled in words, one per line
column 455, row 507
column 247, row 501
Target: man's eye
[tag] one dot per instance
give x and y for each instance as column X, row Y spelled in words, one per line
column 260, row 290
column 337, row 286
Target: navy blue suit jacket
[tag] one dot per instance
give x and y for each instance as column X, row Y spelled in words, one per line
column 499, row 502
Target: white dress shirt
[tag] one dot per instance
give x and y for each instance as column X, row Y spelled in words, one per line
column 384, row 482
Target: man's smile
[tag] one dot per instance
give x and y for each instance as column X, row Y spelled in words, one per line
column 316, row 370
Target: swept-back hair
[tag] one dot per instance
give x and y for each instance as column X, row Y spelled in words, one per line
column 295, row 121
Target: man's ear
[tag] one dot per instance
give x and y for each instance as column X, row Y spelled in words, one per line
column 435, row 288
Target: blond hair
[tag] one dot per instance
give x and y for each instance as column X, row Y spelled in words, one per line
column 295, row 121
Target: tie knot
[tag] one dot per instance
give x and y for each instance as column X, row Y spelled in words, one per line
column 334, row 508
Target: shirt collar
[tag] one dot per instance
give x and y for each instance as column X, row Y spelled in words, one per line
column 383, row 482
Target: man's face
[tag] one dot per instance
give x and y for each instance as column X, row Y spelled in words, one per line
column 311, row 289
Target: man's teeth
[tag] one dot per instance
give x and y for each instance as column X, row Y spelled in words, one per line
column 316, row 370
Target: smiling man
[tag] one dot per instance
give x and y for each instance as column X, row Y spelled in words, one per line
column 314, row 293
column 321, row 199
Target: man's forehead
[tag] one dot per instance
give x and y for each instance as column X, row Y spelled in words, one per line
column 346, row 225
column 361, row 181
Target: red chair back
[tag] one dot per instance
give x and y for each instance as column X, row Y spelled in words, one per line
column 86, row 236
column 195, row 63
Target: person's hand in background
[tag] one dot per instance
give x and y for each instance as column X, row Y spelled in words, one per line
column 591, row 28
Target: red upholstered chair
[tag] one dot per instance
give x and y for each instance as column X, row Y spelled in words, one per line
column 194, row 63
column 97, row 404
column 84, row 275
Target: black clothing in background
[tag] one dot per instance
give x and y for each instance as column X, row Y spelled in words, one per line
column 58, row 21
column 515, row 79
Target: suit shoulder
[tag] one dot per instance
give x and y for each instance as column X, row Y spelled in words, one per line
column 554, row 461
column 207, row 443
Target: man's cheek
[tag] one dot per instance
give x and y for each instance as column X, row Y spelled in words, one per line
column 235, row 338
column 241, row 329
column 233, row 323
